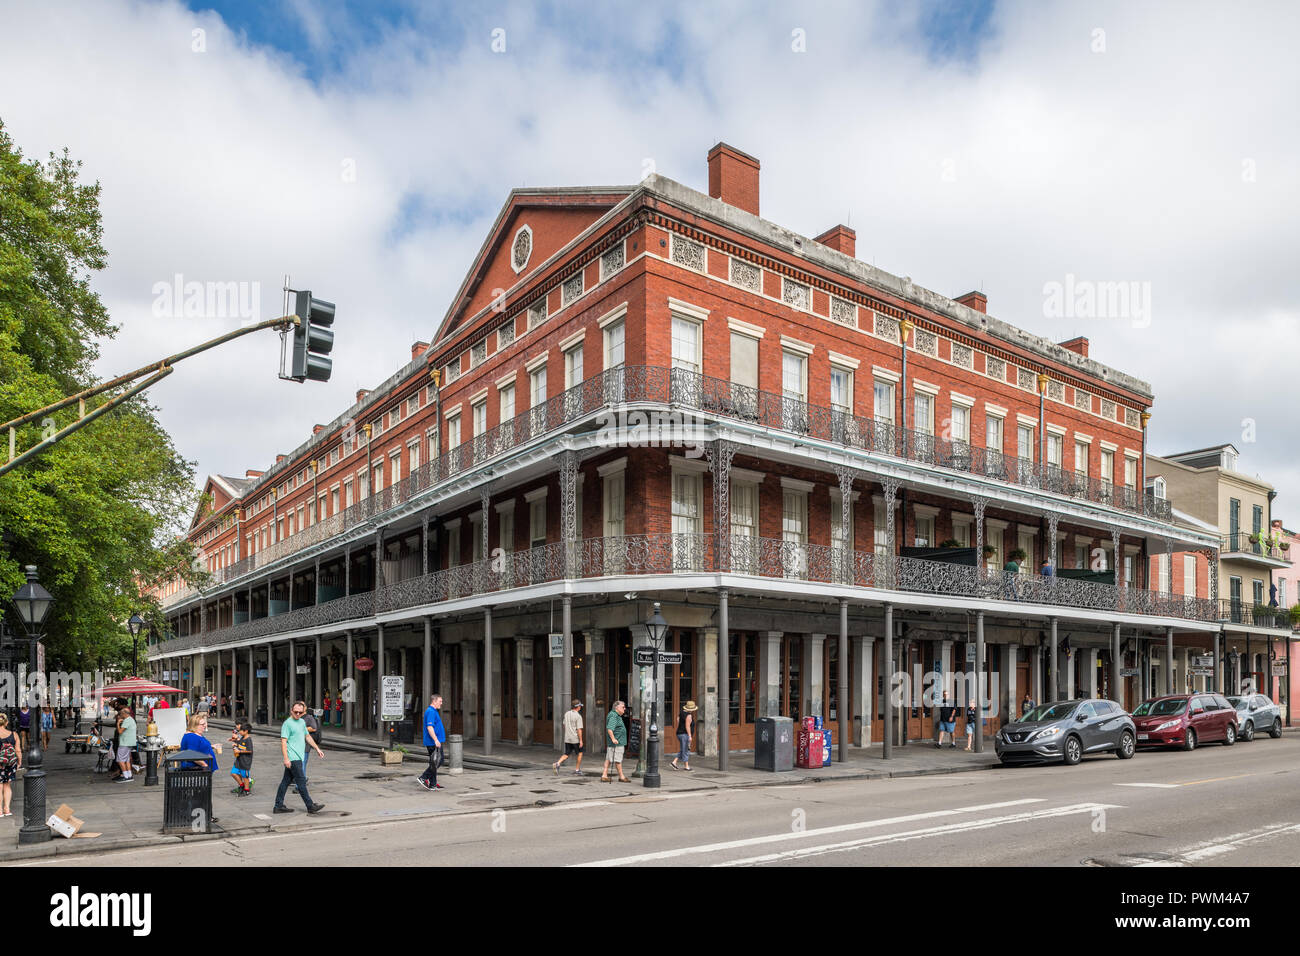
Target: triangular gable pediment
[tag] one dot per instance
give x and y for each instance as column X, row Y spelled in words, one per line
column 219, row 493
column 532, row 226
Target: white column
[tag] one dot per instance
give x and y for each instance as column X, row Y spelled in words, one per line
column 1090, row 661
column 709, row 712
column 864, row 689
column 768, row 703
column 1010, row 698
column 814, row 680
column 1069, row 673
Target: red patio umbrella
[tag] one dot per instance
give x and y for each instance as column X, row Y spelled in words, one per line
column 128, row 686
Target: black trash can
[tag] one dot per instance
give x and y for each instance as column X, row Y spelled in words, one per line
column 402, row 732
column 774, row 744
column 261, row 715
column 187, row 795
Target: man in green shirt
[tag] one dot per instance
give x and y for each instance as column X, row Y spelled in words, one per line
column 293, row 747
column 125, row 742
column 615, row 741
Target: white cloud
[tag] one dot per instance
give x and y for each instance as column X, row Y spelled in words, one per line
column 1037, row 159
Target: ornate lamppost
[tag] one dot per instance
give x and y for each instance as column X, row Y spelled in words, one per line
column 33, row 604
column 656, row 629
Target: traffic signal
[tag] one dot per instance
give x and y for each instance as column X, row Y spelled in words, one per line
column 312, row 338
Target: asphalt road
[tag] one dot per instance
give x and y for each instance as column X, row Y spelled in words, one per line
column 1236, row 806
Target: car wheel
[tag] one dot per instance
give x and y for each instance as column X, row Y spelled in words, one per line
column 1073, row 751
column 1230, row 736
column 1189, row 742
column 1276, row 730
column 1126, row 746
column 1248, row 732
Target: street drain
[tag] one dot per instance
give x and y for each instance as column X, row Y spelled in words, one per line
column 541, row 791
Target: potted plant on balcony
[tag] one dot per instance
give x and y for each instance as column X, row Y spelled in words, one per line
column 1295, row 615
column 1018, row 556
column 950, row 543
column 989, row 551
column 1254, row 538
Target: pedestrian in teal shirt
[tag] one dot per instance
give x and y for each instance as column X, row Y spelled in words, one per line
column 293, row 746
column 615, row 741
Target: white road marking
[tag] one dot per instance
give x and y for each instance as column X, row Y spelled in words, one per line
column 802, row 834
column 1161, row 786
column 884, row 839
column 1209, row 849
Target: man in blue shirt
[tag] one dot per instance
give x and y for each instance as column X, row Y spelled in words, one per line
column 434, row 736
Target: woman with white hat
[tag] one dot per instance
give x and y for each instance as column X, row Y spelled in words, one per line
column 685, row 730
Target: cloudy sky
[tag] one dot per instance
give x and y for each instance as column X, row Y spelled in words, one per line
column 364, row 148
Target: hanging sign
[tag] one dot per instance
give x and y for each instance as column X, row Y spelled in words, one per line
column 557, row 645
column 363, row 664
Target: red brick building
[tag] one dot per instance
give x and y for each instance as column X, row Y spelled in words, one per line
column 645, row 394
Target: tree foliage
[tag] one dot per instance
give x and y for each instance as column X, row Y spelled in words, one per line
column 98, row 513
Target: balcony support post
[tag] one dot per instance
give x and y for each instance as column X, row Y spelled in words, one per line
column 379, row 672
column 485, row 506
column 379, row 560
column 846, row 576
column 724, row 681
column 890, row 487
column 978, row 739
column 1116, row 666
column 487, row 680
column 720, row 454
column 978, row 504
column 887, row 671
column 1053, row 665
column 1169, row 660
column 568, row 508
column 424, row 545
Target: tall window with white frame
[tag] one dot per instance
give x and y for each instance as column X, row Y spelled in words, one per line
column 537, row 398
column 959, row 429
column 615, row 342
column 613, row 520
column 506, row 542
column 794, row 532
column 506, row 405
column 537, row 539
column 993, row 426
column 686, row 519
column 687, row 363
column 794, row 391
column 744, row 374
column 841, row 537
column 883, row 410
column 744, row 527
column 841, row 403
column 573, row 377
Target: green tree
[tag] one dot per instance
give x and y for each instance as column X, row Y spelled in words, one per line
column 98, row 514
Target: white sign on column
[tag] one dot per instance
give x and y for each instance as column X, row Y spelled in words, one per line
column 394, row 690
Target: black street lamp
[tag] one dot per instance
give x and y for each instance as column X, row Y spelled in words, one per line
column 33, row 604
column 656, row 629
column 134, row 625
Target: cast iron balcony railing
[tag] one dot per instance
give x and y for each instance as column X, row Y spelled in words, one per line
column 1256, row 543
column 670, row 554
column 683, row 390
column 1253, row 615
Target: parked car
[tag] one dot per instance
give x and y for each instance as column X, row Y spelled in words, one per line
column 1066, row 731
column 1255, row 712
column 1185, row 720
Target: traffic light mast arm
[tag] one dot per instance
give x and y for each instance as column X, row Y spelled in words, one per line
column 282, row 323
column 161, row 373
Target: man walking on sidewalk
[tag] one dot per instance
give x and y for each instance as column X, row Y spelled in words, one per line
column 572, row 737
column 434, row 736
column 615, row 741
column 293, row 746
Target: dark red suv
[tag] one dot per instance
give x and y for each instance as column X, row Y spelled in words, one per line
column 1185, row 720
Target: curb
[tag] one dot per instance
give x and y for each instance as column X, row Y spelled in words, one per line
column 67, row 847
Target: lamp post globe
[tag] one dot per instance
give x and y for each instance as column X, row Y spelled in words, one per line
column 657, row 630
column 32, row 603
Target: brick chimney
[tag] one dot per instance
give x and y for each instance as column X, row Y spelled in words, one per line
column 733, row 177
column 975, row 300
column 840, row 238
column 280, row 458
column 418, row 349
column 1079, row 345
column 317, row 429
column 253, row 474
column 361, row 394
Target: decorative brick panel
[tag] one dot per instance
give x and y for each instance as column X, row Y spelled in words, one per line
column 844, row 312
column 571, row 290
column 746, row 275
column 796, row 295
column 687, row 253
column 962, row 356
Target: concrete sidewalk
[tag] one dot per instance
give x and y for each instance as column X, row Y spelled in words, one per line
column 356, row 790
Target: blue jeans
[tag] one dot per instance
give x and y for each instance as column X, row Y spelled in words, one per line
column 293, row 774
column 684, row 742
column 306, row 755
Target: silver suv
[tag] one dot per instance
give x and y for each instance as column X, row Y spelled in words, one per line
column 1255, row 712
column 1066, row 731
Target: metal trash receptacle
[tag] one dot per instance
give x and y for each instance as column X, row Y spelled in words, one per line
column 774, row 744
column 187, row 795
